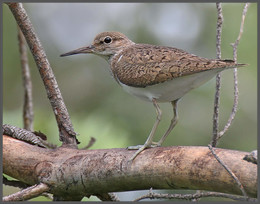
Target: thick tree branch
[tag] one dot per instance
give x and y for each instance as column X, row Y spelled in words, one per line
column 67, row 134
column 90, row 172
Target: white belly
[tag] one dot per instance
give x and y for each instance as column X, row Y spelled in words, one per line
column 171, row 90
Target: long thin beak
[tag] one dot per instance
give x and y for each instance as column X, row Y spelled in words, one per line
column 88, row 49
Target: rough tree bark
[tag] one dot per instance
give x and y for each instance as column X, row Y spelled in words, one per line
column 88, row 172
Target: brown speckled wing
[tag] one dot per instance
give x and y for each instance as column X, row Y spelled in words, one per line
column 142, row 65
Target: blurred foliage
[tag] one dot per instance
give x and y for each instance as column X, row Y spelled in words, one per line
column 98, row 106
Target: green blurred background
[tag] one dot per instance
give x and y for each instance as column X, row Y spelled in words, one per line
column 98, row 107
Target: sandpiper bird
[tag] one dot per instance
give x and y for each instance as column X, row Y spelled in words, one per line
column 153, row 73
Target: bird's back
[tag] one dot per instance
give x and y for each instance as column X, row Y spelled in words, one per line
column 142, row 65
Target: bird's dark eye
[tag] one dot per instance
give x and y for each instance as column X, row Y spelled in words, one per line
column 107, row 39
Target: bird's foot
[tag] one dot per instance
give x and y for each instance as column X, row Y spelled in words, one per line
column 136, row 147
column 141, row 148
column 156, row 144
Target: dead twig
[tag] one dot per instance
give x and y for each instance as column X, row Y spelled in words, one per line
column 28, row 193
column 22, row 185
column 218, row 77
column 90, row 143
column 27, row 83
column 195, row 196
column 229, row 171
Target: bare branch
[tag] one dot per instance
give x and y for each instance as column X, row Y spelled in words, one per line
column 28, row 193
column 219, row 29
column 66, row 132
column 234, row 45
column 218, row 77
column 195, row 196
column 229, row 171
column 235, row 104
column 28, row 100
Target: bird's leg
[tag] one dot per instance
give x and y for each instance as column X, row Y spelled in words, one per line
column 172, row 125
column 149, row 140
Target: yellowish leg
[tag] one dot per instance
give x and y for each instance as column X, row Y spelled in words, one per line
column 173, row 122
column 149, row 140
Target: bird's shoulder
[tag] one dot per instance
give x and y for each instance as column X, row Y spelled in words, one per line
column 146, row 53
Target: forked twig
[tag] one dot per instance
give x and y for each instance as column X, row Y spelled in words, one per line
column 234, row 45
column 217, row 135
